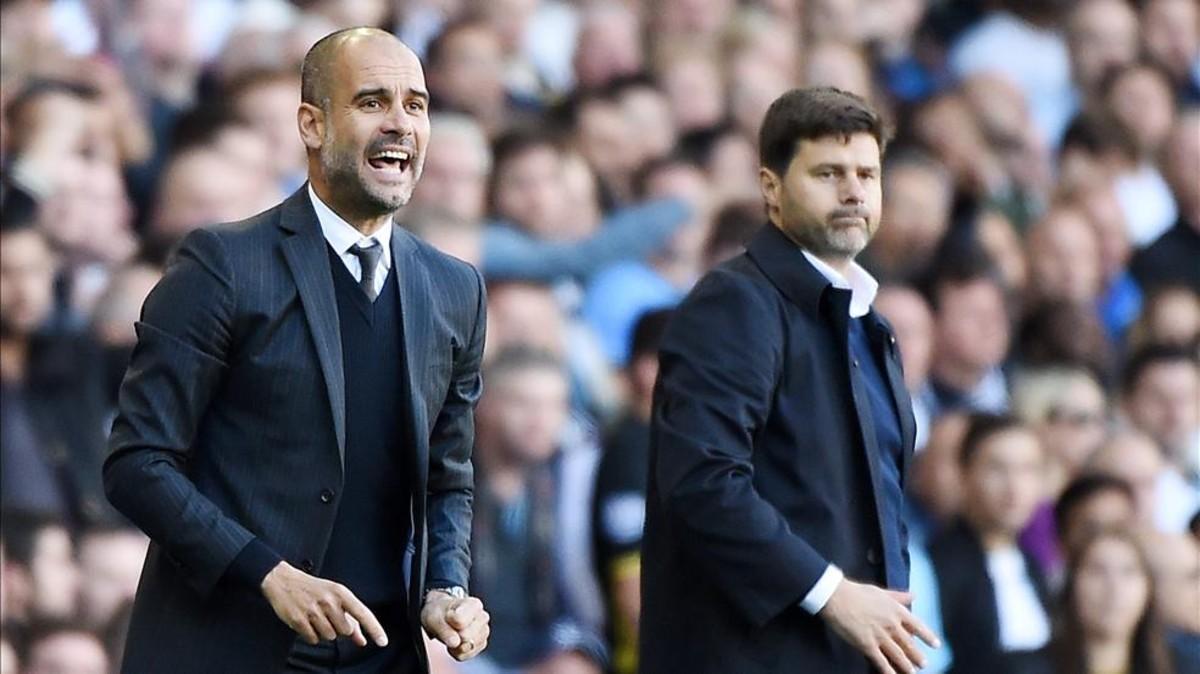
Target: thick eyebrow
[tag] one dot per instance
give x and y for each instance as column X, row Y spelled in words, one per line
column 836, row 166
column 382, row 92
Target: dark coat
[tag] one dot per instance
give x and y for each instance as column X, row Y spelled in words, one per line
column 760, row 472
column 969, row 611
column 231, row 425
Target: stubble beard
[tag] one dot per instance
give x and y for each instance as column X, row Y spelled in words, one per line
column 343, row 176
column 825, row 240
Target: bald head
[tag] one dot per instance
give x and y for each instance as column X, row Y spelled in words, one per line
column 320, row 61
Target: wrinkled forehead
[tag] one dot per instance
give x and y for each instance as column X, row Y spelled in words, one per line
column 376, row 61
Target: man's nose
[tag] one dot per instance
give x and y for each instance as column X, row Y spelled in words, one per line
column 852, row 190
column 397, row 121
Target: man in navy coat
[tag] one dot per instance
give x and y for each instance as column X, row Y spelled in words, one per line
column 295, row 427
column 782, row 431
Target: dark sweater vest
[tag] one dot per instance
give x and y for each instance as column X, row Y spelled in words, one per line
column 371, row 531
column 889, row 444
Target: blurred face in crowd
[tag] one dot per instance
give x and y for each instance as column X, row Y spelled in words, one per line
column 971, row 325
column 524, row 313
column 67, row 653
column 753, row 86
column 110, row 565
column 838, row 64
column 27, row 269
column 937, row 475
column 681, row 257
column 1171, row 34
column 46, row 588
column 1142, row 102
column 609, row 45
column 269, row 107
column 1101, row 34
column 162, row 31
column 456, row 171
column 528, row 191
column 469, row 74
column 693, row 86
column 1103, row 510
column 731, row 168
column 120, row 306
column 608, row 140
column 203, row 186
column 582, row 197
column 1165, row 403
column 1002, row 482
column 648, row 119
column 526, row 412
column 1112, row 587
column 1103, row 212
column 1003, row 244
column 369, row 138
column 1075, row 422
column 1133, row 457
column 1181, row 165
column 830, row 198
column 1064, row 257
column 912, row 321
column 1172, row 316
column 916, row 214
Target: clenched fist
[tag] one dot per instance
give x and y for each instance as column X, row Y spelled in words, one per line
column 461, row 624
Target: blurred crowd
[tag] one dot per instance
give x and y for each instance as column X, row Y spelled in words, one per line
column 1039, row 254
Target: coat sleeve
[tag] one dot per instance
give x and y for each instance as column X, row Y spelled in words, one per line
column 450, row 488
column 719, row 361
column 184, row 339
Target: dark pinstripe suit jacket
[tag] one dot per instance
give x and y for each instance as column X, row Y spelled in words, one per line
column 232, row 422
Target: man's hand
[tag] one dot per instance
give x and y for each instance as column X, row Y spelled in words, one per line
column 461, row 624
column 877, row 622
column 319, row 609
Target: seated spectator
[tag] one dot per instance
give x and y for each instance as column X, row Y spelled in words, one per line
column 1171, row 40
column 995, row 602
column 971, row 336
column 1093, row 503
column 1171, row 257
column 1160, row 395
column 732, row 228
column 63, row 648
column 40, row 576
column 909, row 314
column 619, row 505
column 1165, row 501
column 51, row 435
column 937, row 488
column 516, row 571
column 457, row 166
column 917, row 196
column 1108, row 621
column 1171, row 316
column 110, row 565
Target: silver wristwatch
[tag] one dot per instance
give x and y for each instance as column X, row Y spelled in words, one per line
column 457, row 591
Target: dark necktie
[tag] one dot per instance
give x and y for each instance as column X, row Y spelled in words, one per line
column 368, row 259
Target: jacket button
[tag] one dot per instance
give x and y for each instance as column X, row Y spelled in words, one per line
column 307, row 566
column 326, row 495
column 855, row 362
column 873, row 556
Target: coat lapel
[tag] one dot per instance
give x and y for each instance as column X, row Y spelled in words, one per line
column 886, row 341
column 414, row 286
column 306, row 255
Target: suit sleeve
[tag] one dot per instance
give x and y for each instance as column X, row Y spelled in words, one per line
column 450, row 489
column 718, row 365
column 184, row 339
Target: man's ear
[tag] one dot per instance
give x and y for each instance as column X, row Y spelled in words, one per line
column 311, row 121
column 771, row 185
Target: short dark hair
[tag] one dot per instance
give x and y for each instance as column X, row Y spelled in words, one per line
column 21, row 530
column 514, row 143
column 522, row 357
column 810, row 113
column 1096, row 134
column 983, row 426
column 648, row 333
column 1083, row 488
column 1150, row 355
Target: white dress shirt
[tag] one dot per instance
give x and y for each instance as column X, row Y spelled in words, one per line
column 1024, row 625
column 342, row 236
column 863, row 287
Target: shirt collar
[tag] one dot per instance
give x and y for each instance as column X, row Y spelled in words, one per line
column 862, row 286
column 341, row 235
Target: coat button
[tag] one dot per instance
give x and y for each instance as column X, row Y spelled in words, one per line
column 326, row 495
column 855, row 362
column 873, row 556
column 307, row 566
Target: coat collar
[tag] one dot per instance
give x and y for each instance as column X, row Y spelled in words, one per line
column 784, row 263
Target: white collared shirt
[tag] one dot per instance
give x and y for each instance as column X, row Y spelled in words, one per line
column 342, row 236
column 862, row 286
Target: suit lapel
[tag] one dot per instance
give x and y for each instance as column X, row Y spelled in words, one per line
column 413, row 284
column 306, row 255
column 895, row 379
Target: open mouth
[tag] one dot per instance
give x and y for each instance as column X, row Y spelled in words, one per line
column 390, row 161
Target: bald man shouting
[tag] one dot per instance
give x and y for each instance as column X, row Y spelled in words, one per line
column 295, row 426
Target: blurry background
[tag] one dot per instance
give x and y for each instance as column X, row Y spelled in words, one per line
column 1040, row 257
